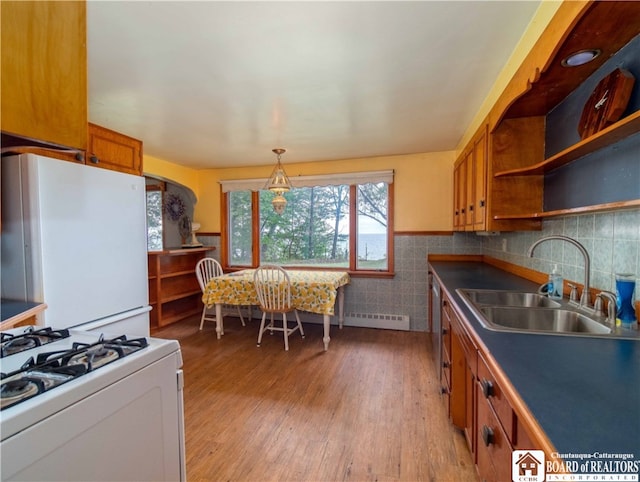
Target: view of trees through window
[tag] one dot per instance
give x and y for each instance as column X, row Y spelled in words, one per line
column 314, row 228
column 240, row 238
column 154, row 220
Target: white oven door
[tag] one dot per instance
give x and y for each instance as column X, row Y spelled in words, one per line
column 130, row 430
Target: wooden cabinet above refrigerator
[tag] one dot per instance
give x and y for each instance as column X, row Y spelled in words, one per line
column 44, row 72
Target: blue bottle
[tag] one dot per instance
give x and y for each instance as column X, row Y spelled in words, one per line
column 626, row 314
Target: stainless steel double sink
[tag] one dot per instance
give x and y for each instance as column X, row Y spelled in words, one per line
column 517, row 311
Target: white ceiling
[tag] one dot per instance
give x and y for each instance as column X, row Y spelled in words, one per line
column 219, row 84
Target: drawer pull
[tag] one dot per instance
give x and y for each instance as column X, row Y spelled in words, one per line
column 94, row 159
column 487, row 435
column 487, row 388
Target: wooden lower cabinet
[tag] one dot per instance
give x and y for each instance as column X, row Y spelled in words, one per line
column 174, row 292
column 494, row 448
column 459, row 368
column 445, row 368
column 477, row 403
column 496, row 422
column 470, row 377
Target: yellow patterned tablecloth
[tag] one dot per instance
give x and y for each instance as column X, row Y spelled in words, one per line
column 312, row 291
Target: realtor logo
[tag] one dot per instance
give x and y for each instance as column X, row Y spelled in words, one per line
column 527, row 466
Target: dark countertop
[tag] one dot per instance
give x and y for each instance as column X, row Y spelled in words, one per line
column 14, row 311
column 584, row 392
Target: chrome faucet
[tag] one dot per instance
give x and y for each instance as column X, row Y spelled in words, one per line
column 611, row 306
column 585, row 299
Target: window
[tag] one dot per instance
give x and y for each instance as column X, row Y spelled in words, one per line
column 154, row 218
column 373, row 208
column 240, row 234
column 327, row 225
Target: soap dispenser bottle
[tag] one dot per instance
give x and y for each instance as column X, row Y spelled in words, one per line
column 555, row 284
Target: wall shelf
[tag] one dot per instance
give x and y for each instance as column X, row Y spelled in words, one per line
column 565, row 212
column 176, row 273
column 614, row 133
column 173, row 286
column 178, row 296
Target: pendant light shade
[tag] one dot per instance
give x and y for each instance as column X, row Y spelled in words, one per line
column 278, row 183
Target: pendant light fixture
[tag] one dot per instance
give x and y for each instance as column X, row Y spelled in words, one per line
column 278, row 183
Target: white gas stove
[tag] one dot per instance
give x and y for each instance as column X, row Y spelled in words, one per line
column 73, row 402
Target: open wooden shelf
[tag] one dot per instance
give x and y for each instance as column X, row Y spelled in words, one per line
column 614, row 133
column 178, row 296
column 173, row 286
column 167, row 320
column 176, row 273
column 564, row 212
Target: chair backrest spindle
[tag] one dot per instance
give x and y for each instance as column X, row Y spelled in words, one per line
column 206, row 269
column 273, row 288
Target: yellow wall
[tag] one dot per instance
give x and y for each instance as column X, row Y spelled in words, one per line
column 423, row 185
column 171, row 171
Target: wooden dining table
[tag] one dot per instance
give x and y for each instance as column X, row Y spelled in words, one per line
column 312, row 291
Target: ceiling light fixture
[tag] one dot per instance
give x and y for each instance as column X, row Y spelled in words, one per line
column 278, row 183
column 580, row 57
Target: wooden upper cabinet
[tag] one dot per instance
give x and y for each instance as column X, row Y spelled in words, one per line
column 111, row 150
column 470, row 190
column 540, row 97
column 44, row 72
column 479, row 200
column 456, row 197
column 470, row 184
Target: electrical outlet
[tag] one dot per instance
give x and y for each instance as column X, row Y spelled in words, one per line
column 504, row 244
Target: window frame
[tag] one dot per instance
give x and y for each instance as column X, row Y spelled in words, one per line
column 353, row 222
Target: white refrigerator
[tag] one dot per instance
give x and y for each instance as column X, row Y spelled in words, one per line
column 74, row 237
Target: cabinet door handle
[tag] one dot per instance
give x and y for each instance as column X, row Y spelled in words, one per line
column 445, row 331
column 444, row 390
column 482, row 203
column 487, row 388
column 462, row 210
column 487, row 435
column 94, row 159
column 470, row 207
column 445, row 364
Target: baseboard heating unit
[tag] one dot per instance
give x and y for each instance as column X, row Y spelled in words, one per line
column 377, row 320
column 363, row 320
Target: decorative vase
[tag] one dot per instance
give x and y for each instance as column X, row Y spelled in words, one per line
column 625, row 286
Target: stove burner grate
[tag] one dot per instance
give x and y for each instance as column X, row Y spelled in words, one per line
column 30, row 338
column 52, row 369
column 20, row 389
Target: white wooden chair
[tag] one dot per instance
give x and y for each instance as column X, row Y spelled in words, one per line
column 206, row 269
column 274, row 294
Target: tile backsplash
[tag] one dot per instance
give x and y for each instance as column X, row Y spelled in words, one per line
column 612, row 240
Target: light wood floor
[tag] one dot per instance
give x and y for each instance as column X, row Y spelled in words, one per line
column 366, row 410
